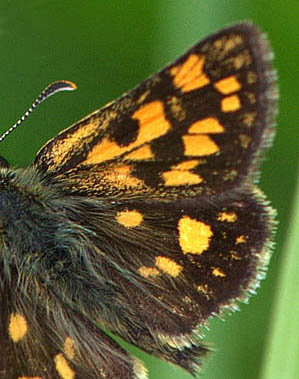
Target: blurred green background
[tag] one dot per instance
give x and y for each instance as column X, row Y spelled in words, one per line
column 107, row 47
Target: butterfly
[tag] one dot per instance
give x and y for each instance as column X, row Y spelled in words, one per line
column 143, row 219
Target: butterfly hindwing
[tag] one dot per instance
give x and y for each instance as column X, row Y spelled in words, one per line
column 208, row 255
column 151, row 272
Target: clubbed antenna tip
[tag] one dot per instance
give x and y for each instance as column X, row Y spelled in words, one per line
column 60, row 85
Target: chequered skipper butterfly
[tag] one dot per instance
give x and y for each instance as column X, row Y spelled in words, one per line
column 143, row 218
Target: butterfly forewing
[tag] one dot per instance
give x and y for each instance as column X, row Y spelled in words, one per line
column 193, row 128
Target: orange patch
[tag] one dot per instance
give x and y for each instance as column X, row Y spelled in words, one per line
column 168, row 266
column 206, row 125
column 104, row 151
column 218, row 272
column 189, row 75
column 230, row 103
column 232, row 42
column 129, row 219
column 239, row 61
column 240, row 239
column 61, row 148
column 176, row 108
column 18, row 327
column 152, row 124
column 228, row 85
column 223, row 45
column 68, row 348
column 194, row 236
column 143, row 153
column 120, row 176
column 227, row 216
column 146, row 272
column 187, row 165
column 198, row 145
column 180, row 178
column 63, row 368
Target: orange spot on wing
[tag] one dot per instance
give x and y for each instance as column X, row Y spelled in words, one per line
column 143, row 153
column 227, row 216
column 206, row 125
column 230, row 103
column 228, row 85
column 146, row 272
column 189, row 75
column 61, row 148
column 129, row 219
column 68, row 348
column 180, row 178
column 168, row 266
column 194, row 235
column 104, row 151
column 177, row 108
column 152, row 124
column 198, row 145
column 120, row 176
column 187, row 165
column 240, row 239
column 63, row 368
column 232, row 42
column 18, row 327
column 218, row 272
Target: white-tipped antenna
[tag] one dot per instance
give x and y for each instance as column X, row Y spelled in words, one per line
column 60, row 85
